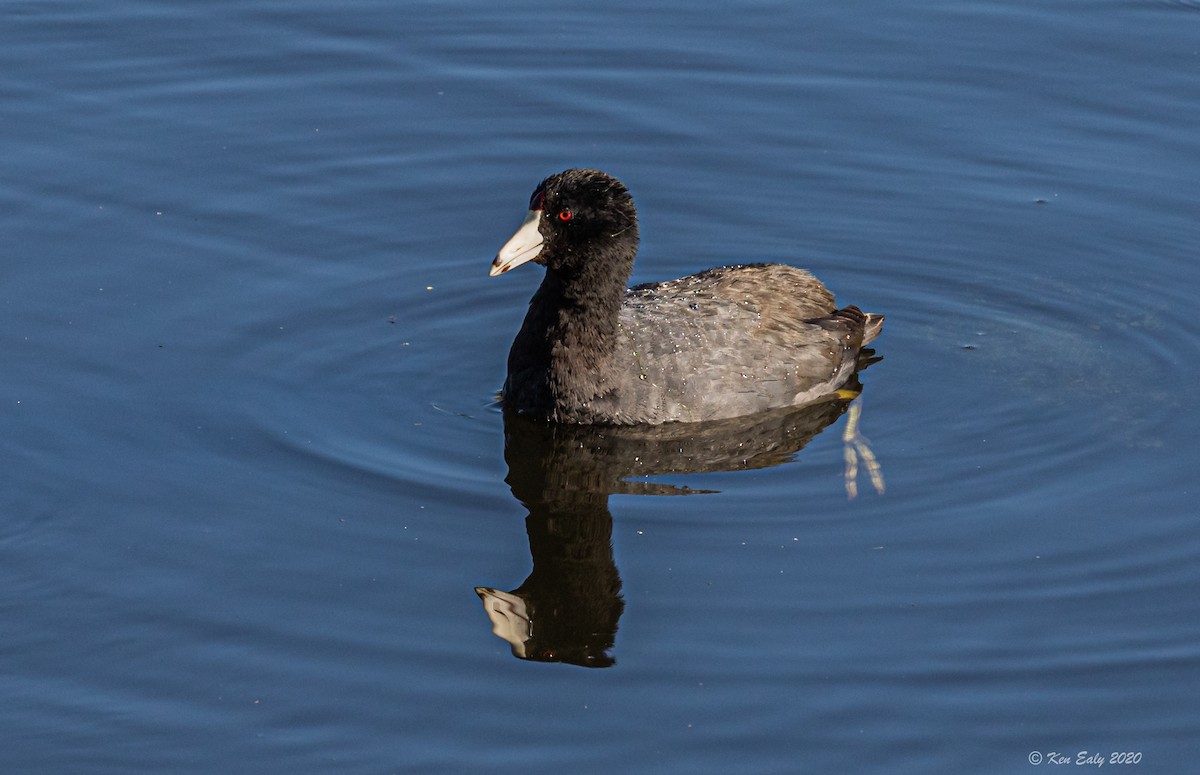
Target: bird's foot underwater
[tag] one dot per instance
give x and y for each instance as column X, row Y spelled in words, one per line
column 856, row 447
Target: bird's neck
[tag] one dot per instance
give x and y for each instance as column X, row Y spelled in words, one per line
column 580, row 305
column 572, row 329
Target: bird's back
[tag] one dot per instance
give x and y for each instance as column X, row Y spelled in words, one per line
column 727, row 342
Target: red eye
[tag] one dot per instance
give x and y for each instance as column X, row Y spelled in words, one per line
column 565, row 215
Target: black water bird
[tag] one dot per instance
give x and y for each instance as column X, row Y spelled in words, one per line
column 726, row 342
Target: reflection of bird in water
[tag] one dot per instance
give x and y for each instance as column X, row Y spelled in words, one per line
column 568, row 608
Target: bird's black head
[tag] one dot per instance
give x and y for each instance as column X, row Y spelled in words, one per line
column 574, row 217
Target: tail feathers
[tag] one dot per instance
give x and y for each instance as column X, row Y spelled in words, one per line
column 860, row 327
column 872, row 327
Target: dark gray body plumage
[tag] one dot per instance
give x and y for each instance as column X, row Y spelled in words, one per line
column 723, row 343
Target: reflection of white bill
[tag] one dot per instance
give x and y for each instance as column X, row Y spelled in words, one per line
column 510, row 617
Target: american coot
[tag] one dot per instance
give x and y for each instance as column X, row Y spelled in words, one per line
column 722, row 343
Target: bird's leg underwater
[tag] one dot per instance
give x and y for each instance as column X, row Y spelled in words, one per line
column 856, row 445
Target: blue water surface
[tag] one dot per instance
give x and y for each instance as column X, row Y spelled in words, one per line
column 254, row 467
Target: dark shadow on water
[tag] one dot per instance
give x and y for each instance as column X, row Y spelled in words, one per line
column 568, row 608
